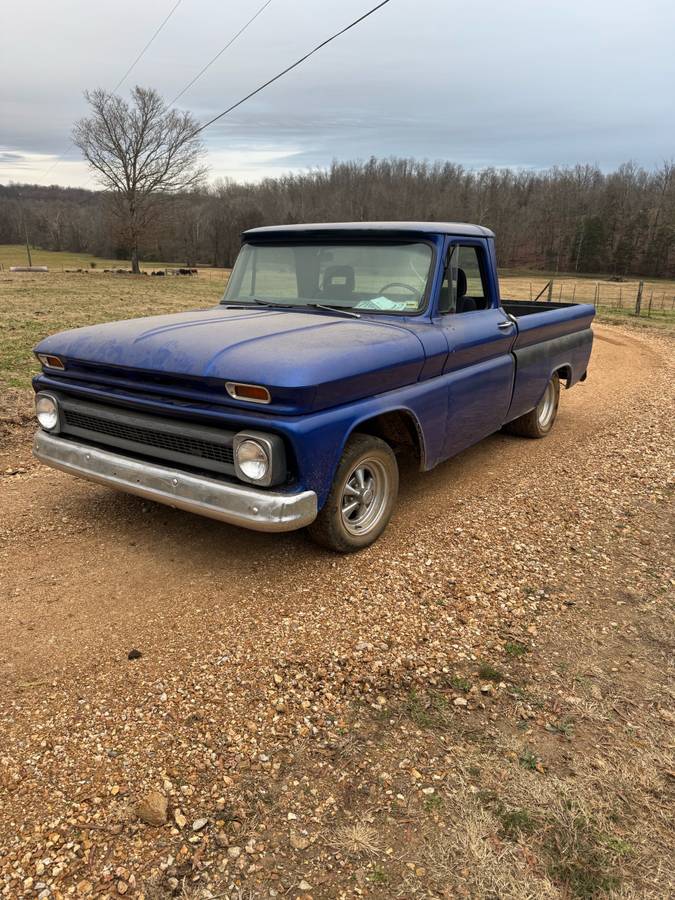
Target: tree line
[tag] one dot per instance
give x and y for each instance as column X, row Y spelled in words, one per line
column 576, row 219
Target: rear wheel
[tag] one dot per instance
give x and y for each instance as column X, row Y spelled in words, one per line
column 361, row 499
column 538, row 421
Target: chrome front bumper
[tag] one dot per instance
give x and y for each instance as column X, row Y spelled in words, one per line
column 247, row 506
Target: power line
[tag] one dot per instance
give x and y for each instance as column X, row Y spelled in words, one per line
column 122, row 79
column 292, row 66
column 140, row 55
column 262, row 87
column 220, row 52
column 58, row 160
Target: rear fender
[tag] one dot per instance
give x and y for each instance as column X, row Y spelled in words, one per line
column 537, row 363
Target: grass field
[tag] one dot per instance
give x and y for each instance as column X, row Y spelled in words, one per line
column 58, row 261
column 35, row 305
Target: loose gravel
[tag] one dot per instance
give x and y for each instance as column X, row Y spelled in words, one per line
column 191, row 710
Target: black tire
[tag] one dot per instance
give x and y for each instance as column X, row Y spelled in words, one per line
column 340, row 531
column 539, row 421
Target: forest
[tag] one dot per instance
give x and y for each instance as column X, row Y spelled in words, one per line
column 564, row 219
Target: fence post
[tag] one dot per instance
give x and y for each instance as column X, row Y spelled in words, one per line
column 620, row 296
column 550, row 292
column 638, row 299
column 574, row 291
column 649, row 308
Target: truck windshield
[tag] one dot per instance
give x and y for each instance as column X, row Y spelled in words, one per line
column 384, row 278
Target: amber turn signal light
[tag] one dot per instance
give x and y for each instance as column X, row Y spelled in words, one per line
column 52, row 362
column 254, row 393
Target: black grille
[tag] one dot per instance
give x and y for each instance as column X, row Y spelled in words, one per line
column 176, row 443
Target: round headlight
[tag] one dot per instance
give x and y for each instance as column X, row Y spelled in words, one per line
column 252, row 460
column 47, row 412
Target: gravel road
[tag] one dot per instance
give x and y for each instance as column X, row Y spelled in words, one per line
column 255, row 646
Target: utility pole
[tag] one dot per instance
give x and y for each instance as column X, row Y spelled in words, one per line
column 25, row 231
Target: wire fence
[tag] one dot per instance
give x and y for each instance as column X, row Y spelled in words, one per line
column 640, row 298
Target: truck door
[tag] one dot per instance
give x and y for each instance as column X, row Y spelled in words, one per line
column 480, row 335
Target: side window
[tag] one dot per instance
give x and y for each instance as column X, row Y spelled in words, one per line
column 464, row 288
column 468, row 262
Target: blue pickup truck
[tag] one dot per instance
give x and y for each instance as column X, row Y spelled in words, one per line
column 335, row 349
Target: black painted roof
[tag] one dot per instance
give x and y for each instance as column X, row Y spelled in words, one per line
column 367, row 228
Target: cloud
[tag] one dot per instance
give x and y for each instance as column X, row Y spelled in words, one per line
column 37, row 168
column 251, row 163
column 526, row 83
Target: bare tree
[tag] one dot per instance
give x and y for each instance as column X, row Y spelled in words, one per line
column 139, row 151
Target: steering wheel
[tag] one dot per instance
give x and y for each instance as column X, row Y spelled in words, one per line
column 399, row 284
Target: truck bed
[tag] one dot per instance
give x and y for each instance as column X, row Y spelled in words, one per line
column 527, row 307
column 539, row 322
column 551, row 337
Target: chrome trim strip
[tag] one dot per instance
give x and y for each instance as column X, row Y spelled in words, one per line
column 232, row 503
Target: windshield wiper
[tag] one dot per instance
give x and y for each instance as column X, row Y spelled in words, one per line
column 341, row 310
column 273, row 304
column 246, row 304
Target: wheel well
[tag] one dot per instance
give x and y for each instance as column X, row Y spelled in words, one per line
column 399, row 428
column 565, row 374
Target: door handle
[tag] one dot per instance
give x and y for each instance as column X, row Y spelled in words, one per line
column 504, row 325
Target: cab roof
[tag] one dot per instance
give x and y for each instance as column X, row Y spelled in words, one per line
column 366, row 229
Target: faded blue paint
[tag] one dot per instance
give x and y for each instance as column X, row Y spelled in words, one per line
column 460, row 377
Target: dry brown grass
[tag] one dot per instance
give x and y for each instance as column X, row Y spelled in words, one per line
column 468, row 857
column 34, row 306
column 508, row 832
column 357, row 839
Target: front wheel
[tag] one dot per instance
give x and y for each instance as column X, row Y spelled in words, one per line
column 538, row 421
column 361, row 499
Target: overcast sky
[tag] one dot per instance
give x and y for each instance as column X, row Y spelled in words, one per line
column 524, row 83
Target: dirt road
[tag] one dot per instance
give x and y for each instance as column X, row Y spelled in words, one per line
column 254, row 647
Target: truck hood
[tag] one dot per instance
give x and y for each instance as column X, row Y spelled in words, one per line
column 308, row 360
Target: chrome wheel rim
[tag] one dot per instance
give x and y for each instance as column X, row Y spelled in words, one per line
column 364, row 496
column 546, row 406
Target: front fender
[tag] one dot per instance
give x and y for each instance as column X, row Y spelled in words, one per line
column 406, row 411
column 318, row 440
